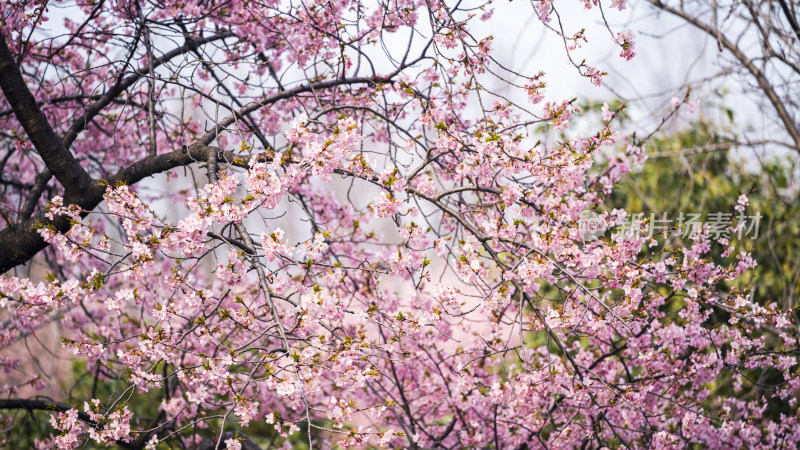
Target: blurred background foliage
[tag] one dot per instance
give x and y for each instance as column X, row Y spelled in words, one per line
column 697, row 170
column 700, row 169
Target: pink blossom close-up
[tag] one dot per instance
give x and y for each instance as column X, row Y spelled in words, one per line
column 347, row 223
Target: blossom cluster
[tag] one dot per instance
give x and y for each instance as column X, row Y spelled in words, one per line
column 362, row 259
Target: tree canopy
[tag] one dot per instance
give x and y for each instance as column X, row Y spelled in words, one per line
column 261, row 223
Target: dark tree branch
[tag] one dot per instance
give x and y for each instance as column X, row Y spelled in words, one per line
column 252, row 107
column 53, row 152
column 42, row 405
column 21, row 243
column 790, row 17
column 760, row 77
column 79, row 187
column 39, row 184
column 56, row 100
column 93, row 110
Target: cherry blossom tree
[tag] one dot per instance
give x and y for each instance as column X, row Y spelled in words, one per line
column 320, row 219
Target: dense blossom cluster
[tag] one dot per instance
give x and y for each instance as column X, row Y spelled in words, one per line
column 367, row 256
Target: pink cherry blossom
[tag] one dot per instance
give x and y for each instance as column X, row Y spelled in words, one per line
column 250, row 214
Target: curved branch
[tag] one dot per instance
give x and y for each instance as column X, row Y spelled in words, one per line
column 760, row 77
column 93, row 110
column 53, row 152
column 39, row 185
column 42, row 405
column 790, row 17
column 252, row 107
column 21, row 243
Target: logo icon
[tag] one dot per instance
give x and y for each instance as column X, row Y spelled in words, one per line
column 591, row 225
